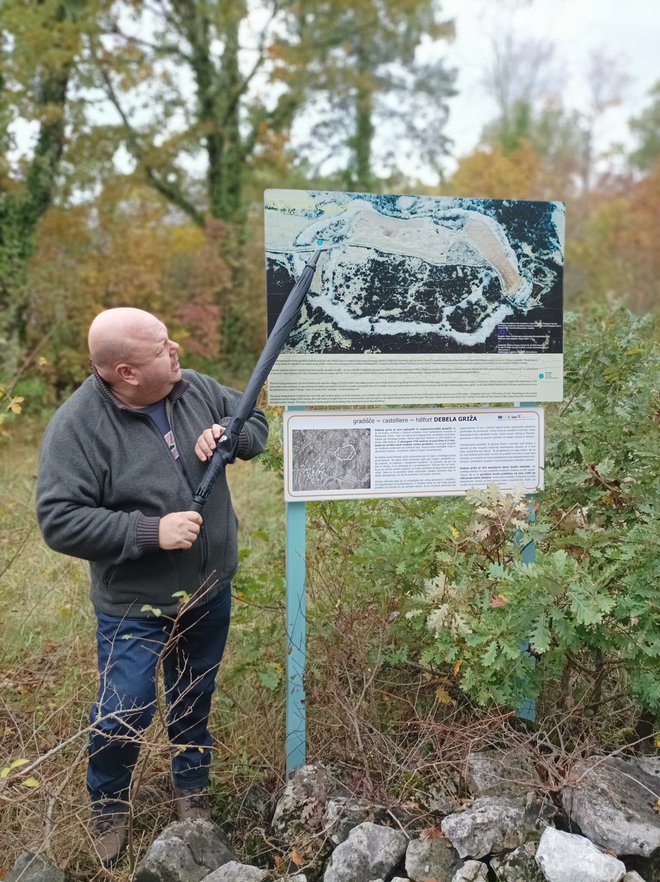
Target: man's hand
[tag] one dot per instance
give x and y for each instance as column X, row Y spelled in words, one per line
column 208, row 441
column 179, row 529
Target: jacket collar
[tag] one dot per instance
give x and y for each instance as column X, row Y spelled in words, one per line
column 106, row 392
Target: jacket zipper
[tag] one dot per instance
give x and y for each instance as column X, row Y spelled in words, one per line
column 169, row 411
column 181, row 470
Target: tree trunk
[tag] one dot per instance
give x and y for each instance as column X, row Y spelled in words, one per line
column 364, row 128
column 22, row 209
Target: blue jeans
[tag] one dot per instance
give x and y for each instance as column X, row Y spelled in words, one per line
column 129, row 650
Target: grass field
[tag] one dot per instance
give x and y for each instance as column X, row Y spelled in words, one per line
column 48, row 674
column 364, row 717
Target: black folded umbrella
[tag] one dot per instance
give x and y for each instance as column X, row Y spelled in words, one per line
column 225, row 452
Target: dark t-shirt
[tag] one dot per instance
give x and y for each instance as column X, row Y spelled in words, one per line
column 158, row 415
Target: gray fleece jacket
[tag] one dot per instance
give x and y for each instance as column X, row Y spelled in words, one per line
column 106, row 477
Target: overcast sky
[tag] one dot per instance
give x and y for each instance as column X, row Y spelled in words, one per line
column 625, row 30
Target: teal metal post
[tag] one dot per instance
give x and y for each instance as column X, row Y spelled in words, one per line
column 527, row 711
column 296, row 630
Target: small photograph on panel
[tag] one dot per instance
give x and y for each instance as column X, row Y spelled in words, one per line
column 331, row 459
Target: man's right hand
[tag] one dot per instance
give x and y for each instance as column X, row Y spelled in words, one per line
column 179, row 529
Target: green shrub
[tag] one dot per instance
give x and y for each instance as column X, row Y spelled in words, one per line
column 589, row 601
column 581, row 622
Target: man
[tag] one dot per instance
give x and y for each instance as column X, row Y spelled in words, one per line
column 119, row 463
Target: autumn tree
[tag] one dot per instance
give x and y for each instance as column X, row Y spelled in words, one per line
column 617, row 255
column 491, row 173
column 191, row 96
column 189, row 81
column 40, row 43
column 370, row 97
column 525, row 77
column 646, row 128
column 120, row 249
column 520, row 75
column 94, row 90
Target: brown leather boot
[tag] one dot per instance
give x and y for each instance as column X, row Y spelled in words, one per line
column 192, row 805
column 109, row 831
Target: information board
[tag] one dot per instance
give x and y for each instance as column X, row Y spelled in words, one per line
column 395, row 453
column 416, row 299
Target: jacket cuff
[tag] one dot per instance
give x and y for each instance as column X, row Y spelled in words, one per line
column 147, row 534
column 243, row 447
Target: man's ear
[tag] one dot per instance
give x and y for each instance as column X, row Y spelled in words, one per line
column 127, row 374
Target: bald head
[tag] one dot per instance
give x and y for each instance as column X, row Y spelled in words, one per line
column 131, row 350
column 116, row 334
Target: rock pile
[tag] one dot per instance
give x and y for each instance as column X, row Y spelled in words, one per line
column 605, row 828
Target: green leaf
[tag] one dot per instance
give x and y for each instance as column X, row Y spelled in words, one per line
column 540, row 634
column 30, row 782
column 152, row 609
column 15, row 764
column 271, row 677
column 396, row 656
column 489, row 657
column 588, row 606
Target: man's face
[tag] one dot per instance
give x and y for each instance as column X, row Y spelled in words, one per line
column 155, row 362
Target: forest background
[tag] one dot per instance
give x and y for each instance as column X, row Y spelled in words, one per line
column 136, row 140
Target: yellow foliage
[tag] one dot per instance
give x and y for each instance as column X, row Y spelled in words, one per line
column 618, row 253
column 489, row 174
column 442, row 696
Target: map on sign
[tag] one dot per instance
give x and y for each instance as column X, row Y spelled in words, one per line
column 416, row 299
column 412, row 273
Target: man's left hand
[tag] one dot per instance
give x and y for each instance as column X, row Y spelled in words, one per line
column 208, row 441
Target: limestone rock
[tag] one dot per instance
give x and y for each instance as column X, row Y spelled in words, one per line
column 233, row 871
column 613, row 806
column 471, row 871
column 431, row 859
column 650, row 765
column 304, row 799
column 412, row 818
column 518, row 865
column 566, row 857
column 370, row 852
column 186, row 851
column 32, row 867
column 439, row 802
column 493, row 824
column 500, row 773
column 342, row 814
